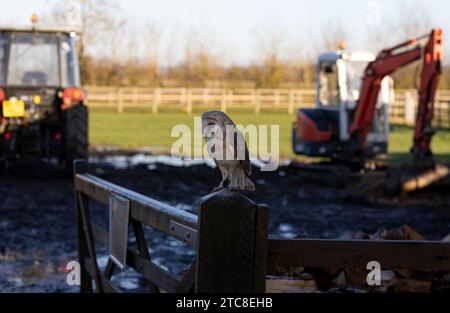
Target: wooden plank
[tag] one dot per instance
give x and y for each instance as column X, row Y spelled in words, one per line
column 109, row 270
column 107, row 285
column 260, row 256
column 357, row 253
column 150, row 271
column 143, row 209
column 86, row 280
column 143, row 249
column 81, row 167
column 83, row 205
column 242, row 96
column 226, row 248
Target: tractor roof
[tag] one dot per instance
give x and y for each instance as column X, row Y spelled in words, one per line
column 37, row 29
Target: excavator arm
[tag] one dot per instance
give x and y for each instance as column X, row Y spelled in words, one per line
column 431, row 70
column 387, row 62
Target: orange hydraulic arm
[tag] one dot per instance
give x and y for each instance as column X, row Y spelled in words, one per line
column 431, row 70
column 387, row 62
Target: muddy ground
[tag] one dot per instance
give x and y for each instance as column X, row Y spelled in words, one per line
column 37, row 217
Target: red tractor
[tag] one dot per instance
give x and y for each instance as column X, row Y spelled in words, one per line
column 42, row 104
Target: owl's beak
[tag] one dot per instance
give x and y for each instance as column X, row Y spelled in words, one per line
column 207, row 132
column 208, row 128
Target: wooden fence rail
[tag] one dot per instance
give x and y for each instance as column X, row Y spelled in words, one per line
column 402, row 111
column 233, row 250
column 230, row 234
column 391, row 254
column 187, row 99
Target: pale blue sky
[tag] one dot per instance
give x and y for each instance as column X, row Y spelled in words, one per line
column 232, row 23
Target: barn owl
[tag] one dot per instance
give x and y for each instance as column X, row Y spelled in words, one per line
column 226, row 146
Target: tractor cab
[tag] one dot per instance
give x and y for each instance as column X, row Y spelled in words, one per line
column 42, row 103
column 325, row 130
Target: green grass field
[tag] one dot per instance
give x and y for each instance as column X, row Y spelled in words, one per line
column 135, row 130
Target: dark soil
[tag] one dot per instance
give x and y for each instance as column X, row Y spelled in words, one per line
column 37, row 216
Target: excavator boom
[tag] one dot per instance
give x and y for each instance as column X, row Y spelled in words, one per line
column 387, row 62
column 431, row 70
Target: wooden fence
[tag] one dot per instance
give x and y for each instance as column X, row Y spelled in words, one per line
column 234, row 251
column 188, row 99
column 230, row 236
column 402, row 111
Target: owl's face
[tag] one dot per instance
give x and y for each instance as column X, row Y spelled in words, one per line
column 212, row 124
column 211, row 128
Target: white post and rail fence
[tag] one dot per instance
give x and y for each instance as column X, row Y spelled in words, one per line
column 188, row 100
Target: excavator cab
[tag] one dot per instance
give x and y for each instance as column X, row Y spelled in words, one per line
column 324, row 131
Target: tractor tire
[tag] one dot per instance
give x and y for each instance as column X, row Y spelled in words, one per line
column 75, row 134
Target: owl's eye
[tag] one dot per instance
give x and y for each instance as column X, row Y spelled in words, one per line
column 211, row 124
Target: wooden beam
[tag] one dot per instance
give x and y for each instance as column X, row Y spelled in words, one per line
column 357, row 253
column 143, row 209
column 227, row 246
column 150, row 271
column 260, row 254
column 143, row 249
column 86, row 279
column 107, row 285
column 88, row 244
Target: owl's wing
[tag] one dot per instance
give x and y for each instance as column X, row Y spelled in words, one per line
column 246, row 165
column 238, row 146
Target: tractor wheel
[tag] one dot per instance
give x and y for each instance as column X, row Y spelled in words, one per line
column 75, row 134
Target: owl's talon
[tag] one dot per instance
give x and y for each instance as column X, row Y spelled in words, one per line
column 218, row 188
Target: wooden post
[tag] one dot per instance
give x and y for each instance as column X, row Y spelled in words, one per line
column 223, row 101
column 230, row 97
column 291, row 102
column 206, row 96
column 277, row 97
column 189, row 101
column 182, row 97
column 232, row 244
column 120, row 101
column 81, row 167
column 438, row 109
column 410, row 108
column 135, row 96
column 111, row 97
column 257, row 102
column 156, row 100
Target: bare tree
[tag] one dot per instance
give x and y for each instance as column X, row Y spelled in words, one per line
column 270, row 45
column 409, row 19
column 406, row 20
column 413, row 19
column 329, row 36
column 204, row 56
column 152, row 43
column 100, row 25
